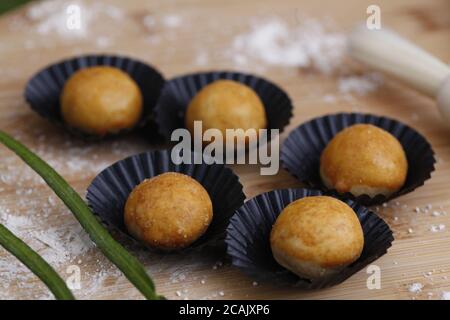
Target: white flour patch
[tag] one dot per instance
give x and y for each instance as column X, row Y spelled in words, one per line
column 172, row 21
column 415, row 287
column 437, row 227
column 360, row 85
column 273, row 42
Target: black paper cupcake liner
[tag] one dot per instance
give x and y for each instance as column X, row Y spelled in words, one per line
column 178, row 93
column 109, row 191
column 44, row 89
column 248, row 239
column 300, row 153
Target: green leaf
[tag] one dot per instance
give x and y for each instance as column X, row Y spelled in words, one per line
column 35, row 263
column 127, row 263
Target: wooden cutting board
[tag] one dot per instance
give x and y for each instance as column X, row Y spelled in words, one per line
column 177, row 46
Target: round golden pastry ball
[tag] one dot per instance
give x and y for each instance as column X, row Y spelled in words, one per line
column 315, row 237
column 100, row 100
column 226, row 104
column 169, row 211
column 364, row 159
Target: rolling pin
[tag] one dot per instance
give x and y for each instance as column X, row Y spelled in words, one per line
column 389, row 52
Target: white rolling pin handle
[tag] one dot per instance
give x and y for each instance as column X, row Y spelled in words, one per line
column 387, row 51
column 443, row 99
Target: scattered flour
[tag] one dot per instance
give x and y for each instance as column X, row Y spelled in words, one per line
column 437, row 227
column 415, row 287
column 275, row 43
column 329, row 98
column 445, row 295
column 309, row 44
column 201, row 59
column 360, row 85
column 172, row 21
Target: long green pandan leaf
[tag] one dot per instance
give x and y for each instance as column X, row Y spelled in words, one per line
column 35, row 263
column 128, row 264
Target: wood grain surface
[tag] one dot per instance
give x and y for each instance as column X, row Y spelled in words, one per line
column 418, row 255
